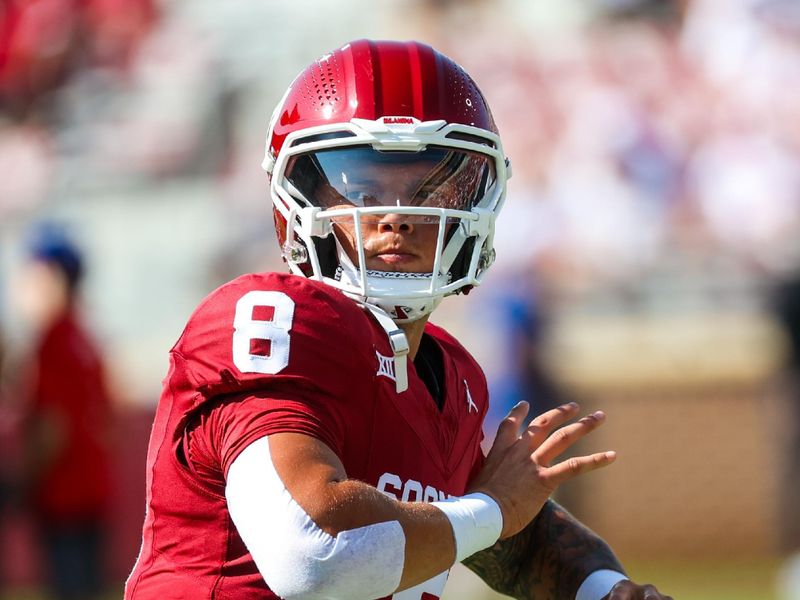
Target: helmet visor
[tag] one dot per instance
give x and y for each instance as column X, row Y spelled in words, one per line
column 360, row 176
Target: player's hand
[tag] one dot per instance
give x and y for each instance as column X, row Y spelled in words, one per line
column 520, row 472
column 628, row 590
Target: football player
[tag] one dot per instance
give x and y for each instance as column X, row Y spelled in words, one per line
column 317, row 437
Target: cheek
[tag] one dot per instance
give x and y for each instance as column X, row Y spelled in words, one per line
column 345, row 233
column 427, row 246
column 428, row 233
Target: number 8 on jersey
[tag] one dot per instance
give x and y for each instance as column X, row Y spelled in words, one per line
column 275, row 331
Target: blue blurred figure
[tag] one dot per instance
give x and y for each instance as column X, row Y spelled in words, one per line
column 66, row 425
column 519, row 372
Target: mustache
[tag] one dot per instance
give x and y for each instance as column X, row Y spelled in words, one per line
column 396, row 244
column 378, row 249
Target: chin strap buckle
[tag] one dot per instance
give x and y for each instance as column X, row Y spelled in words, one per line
column 399, row 343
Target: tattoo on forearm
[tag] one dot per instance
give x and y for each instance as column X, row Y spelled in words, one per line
column 548, row 560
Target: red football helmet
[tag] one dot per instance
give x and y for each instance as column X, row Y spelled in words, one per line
column 395, row 104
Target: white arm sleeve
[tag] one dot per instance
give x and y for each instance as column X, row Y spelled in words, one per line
column 296, row 558
column 598, row 584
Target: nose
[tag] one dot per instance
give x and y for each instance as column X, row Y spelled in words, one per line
column 394, row 223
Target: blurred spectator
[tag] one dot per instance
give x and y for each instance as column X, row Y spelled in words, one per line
column 66, row 479
column 38, row 41
column 787, row 307
column 518, row 371
column 44, row 42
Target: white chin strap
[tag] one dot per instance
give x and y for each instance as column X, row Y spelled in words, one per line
column 389, row 305
column 400, row 348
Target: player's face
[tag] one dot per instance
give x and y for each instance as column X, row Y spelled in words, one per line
column 392, row 242
column 361, row 177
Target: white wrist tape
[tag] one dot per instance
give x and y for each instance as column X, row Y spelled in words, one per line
column 476, row 520
column 597, row 585
column 297, row 559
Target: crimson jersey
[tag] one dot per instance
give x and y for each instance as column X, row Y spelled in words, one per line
column 270, row 353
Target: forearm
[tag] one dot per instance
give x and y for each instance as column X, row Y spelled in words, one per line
column 549, row 559
column 304, row 521
column 429, row 545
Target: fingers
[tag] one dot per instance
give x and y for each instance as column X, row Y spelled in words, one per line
column 649, row 592
column 627, row 590
column 546, row 444
column 573, row 467
column 538, row 429
column 508, row 430
column 565, row 437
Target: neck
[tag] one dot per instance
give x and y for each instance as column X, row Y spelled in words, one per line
column 414, row 331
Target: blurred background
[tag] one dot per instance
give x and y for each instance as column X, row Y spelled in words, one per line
column 648, row 254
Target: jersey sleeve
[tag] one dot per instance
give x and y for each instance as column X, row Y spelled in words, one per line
column 268, row 354
column 214, row 439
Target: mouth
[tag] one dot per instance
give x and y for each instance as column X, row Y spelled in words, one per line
column 393, row 256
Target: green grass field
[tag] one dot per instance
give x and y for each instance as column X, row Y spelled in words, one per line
column 711, row 580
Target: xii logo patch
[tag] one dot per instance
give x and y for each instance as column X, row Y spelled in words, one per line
column 386, row 366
